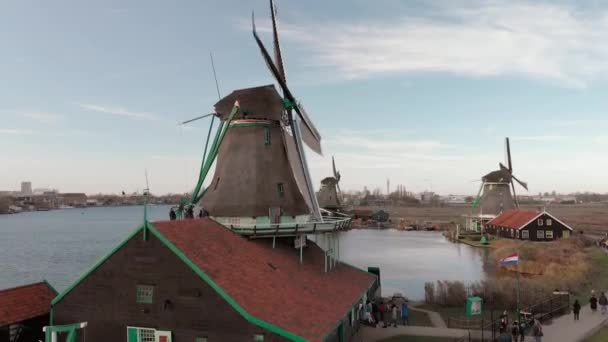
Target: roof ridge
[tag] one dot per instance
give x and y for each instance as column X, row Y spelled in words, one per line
column 43, row 282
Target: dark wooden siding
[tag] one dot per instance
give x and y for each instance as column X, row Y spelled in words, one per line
column 183, row 303
column 532, row 228
column 556, row 227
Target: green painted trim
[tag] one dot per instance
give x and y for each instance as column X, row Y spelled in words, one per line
column 213, row 154
column 202, row 173
column 96, row 266
column 207, row 140
column 251, row 124
column 221, row 292
column 51, row 315
column 356, row 303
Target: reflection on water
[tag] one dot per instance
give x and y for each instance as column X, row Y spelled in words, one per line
column 60, row 245
column 409, row 259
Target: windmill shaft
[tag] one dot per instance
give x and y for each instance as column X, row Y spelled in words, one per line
column 197, row 118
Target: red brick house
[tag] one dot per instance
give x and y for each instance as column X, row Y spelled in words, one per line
column 528, row 225
column 24, row 310
column 197, row 281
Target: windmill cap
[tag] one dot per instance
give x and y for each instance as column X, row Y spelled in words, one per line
column 261, row 102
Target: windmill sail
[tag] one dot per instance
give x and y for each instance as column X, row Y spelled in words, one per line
column 297, row 161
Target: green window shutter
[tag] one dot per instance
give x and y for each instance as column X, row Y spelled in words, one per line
column 266, row 135
column 132, row 334
column 144, row 294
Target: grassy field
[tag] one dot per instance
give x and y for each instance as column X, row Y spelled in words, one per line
column 600, row 336
column 597, row 278
column 591, row 218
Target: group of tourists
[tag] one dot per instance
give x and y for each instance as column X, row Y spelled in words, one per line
column 593, row 302
column 188, row 212
column 387, row 314
column 516, row 331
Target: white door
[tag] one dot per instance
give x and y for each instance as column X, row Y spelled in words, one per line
column 162, row 336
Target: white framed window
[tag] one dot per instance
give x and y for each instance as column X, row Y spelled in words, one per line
column 525, row 234
column 539, row 222
column 540, row 234
column 549, row 234
column 566, row 234
column 517, row 234
column 549, row 222
column 511, row 232
column 137, row 334
column 258, row 338
column 144, row 294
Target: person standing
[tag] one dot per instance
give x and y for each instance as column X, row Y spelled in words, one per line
column 381, row 310
column 515, row 330
column 405, row 314
column 522, row 331
column 375, row 312
column 172, row 215
column 394, row 314
column 368, row 312
column 537, row 331
column 603, row 303
column 593, row 303
column 576, row 309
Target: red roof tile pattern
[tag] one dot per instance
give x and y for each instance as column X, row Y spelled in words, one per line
column 513, row 218
column 271, row 284
column 24, row 302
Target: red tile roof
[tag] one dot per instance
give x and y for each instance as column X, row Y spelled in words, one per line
column 513, row 218
column 24, row 302
column 271, row 284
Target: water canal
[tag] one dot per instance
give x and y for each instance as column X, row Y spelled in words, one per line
column 60, row 245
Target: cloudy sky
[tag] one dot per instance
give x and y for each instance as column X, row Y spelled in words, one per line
column 421, row 92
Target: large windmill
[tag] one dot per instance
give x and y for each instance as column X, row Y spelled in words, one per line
column 330, row 196
column 261, row 185
column 497, row 191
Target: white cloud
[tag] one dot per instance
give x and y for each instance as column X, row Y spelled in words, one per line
column 541, row 138
column 119, row 111
column 15, row 131
column 548, row 41
column 40, row 116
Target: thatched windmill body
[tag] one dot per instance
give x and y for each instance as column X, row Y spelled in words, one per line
column 496, row 194
column 330, row 196
column 261, row 185
column 497, row 191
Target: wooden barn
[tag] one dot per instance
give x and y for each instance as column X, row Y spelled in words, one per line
column 24, row 310
column 528, row 225
column 197, row 281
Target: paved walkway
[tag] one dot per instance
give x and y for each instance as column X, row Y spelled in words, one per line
column 566, row 329
column 369, row 334
column 434, row 316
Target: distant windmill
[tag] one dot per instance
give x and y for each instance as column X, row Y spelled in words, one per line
column 330, row 195
column 497, row 191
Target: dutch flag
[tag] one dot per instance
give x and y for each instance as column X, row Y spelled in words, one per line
column 511, row 260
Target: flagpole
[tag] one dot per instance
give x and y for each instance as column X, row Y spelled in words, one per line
column 517, row 270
